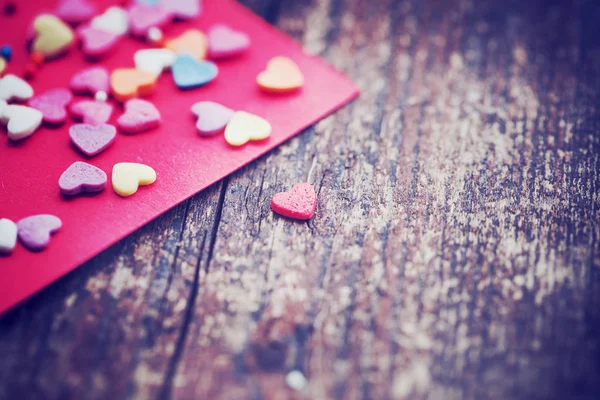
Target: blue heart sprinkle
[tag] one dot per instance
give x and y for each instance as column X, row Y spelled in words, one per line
column 190, row 73
column 148, row 2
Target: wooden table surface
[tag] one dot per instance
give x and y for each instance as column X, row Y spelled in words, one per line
column 454, row 254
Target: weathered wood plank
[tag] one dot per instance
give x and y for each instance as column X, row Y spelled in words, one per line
column 454, row 253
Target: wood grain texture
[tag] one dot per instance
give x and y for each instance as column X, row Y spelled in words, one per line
column 454, row 253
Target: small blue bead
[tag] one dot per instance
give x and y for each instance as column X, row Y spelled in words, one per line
column 6, row 52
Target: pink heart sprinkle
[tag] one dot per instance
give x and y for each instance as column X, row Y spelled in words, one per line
column 90, row 80
column 183, row 9
column 95, row 42
column 75, row 11
column 212, row 117
column 92, row 139
column 140, row 115
column 53, row 105
column 143, row 17
column 224, row 42
column 82, row 177
column 91, row 112
column 35, row 231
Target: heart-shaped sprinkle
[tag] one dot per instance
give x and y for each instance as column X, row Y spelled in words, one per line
column 22, row 121
column 190, row 73
column 192, row 42
column 53, row 105
column 92, row 139
column 91, row 111
column 244, row 127
column 140, row 115
column 75, row 11
column 281, row 76
column 183, row 9
column 298, row 203
column 127, row 177
column 34, row 232
column 14, row 88
column 153, row 60
column 127, row 83
column 82, row 177
column 114, row 20
column 90, row 80
column 8, row 235
column 224, row 42
column 212, row 117
column 2, row 65
column 143, row 17
column 96, row 42
column 53, row 35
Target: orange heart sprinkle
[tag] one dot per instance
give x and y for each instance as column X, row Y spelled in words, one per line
column 281, row 76
column 192, row 42
column 127, row 83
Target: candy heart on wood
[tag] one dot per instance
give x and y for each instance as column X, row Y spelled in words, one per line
column 127, row 177
column 212, row 117
column 192, row 42
column 127, row 83
column 75, row 11
column 53, row 36
column 189, row 73
column 153, row 60
column 140, row 115
column 224, row 42
column 183, row 9
column 92, row 139
column 90, row 80
column 96, row 42
column 82, row 177
column 14, row 88
column 244, row 127
column 53, row 105
column 8, row 235
column 114, row 20
column 281, row 76
column 34, row 232
column 22, row 121
column 91, row 111
column 143, row 17
column 298, row 203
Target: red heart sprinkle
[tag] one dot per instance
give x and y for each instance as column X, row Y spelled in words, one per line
column 298, row 203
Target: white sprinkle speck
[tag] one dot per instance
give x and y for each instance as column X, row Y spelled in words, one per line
column 296, row 380
column 101, row 95
column 154, row 34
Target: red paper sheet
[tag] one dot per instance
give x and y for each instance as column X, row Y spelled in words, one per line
column 185, row 163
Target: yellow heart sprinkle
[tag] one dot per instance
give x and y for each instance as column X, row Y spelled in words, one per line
column 127, row 177
column 244, row 126
column 2, row 65
column 53, row 36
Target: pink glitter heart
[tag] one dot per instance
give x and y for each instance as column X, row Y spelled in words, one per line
column 82, row 177
column 95, row 42
column 143, row 17
column 212, row 117
column 92, row 139
column 139, row 116
column 75, row 11
column 183, row 9
column 34, row 231
column 53, row 105
column 224, row 42
column 91, row 112
column 90, row 80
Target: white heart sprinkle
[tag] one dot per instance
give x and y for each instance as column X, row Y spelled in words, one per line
column 8, row 235
column 13, row 87
column 114, row 20
column 153, row 60
column 22, row 120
